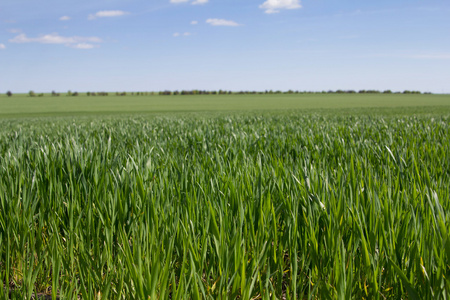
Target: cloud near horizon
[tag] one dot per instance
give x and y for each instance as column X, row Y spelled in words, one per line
column 77, row 42
column 222, row 22
column 107, row 14
column 274, row 6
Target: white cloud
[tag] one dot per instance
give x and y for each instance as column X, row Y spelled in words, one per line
column 197, row 2
column 107, row 14
column 178, row 1
column 2, row 46
column 221, row 22
column 194, row 22
column 83, row 46
column 78, row 42
column 274, row 6
column 177, row 34
column 65, row 18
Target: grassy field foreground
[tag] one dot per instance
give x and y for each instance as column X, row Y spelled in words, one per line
column 222, row 207
column 25, row 106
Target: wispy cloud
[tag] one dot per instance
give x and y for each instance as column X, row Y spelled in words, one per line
column 275, row 6
column 195, row 2
column 107, row 14
column 177, row 34
column 2, row 46
column 194, row 22
column 65, row 18
column 78, row 42
column 199, row 2
column 84, row 46
column 221, row 22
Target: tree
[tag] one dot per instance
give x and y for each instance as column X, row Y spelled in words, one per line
column 8, row 93
column 31, row 94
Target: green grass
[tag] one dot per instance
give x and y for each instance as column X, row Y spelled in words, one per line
column 298, row 205
column 24, row 106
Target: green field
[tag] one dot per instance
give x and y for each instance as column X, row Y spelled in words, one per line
column 22, row 105
column 225, row 197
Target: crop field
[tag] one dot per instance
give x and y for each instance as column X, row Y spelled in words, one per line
column 25, row 106
column 299, row 204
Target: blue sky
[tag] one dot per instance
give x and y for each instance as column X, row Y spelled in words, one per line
column 137, row 45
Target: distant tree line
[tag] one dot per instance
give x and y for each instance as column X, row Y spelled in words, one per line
column 221, row 92
column 33, row 94
column 97, row 94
